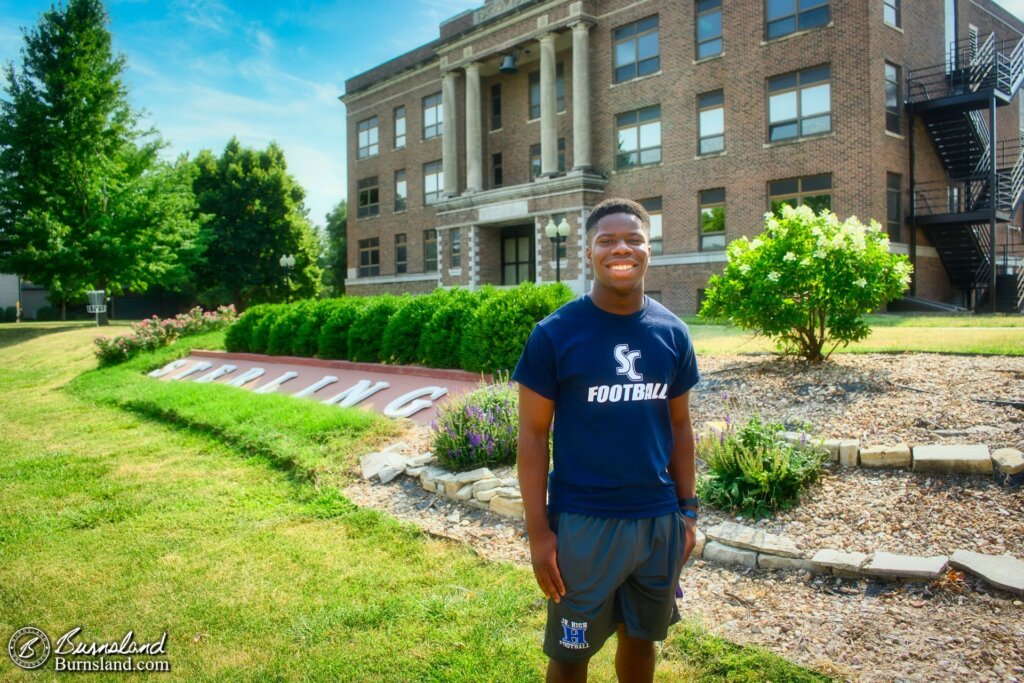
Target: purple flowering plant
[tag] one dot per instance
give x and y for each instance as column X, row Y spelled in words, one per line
column 154, row 333
column 478, row 429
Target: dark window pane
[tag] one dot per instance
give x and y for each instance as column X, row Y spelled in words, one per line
column 788, row 186
column 782, row 27
column 712, row 196
column 710, row 99
column 782, row 132
column 813, row 18
column 817, row 182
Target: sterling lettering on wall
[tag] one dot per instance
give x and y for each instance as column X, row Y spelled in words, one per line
column 393, row 391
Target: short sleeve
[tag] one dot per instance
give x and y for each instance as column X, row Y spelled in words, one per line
column 537, row 368
column 687, row 374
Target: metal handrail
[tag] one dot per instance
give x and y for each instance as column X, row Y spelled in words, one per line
column 982, row 63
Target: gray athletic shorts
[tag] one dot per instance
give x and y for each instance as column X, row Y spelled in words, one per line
column 615, row 571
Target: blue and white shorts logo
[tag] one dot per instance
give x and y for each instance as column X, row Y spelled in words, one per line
column 627, row 362
column 574, row 635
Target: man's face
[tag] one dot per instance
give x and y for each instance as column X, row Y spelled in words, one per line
column 619, row 250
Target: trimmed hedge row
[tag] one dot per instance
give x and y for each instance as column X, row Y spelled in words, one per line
column 481, row 331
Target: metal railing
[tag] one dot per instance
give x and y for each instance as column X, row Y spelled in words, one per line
column 970, row 67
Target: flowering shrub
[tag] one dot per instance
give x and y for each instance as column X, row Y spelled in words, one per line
column 749, row 470
column 806, row 281
column 154, row 333
column 478, row 429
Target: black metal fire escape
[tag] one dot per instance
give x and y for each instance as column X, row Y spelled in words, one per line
column 984, row 186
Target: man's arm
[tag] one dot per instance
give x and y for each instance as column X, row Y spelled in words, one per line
column 535, row 413
column 682, row 464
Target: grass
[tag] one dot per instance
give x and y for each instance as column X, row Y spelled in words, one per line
column 215, row 516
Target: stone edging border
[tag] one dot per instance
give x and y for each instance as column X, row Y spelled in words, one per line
column 726, row 543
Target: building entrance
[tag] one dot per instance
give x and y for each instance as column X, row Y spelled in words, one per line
column 517, row 256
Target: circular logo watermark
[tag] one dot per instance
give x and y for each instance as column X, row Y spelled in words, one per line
column 29, row 647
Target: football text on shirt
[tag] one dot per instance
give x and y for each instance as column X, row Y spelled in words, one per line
column 613, row 393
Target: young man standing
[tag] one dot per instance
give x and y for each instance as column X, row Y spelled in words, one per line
column 613, row 369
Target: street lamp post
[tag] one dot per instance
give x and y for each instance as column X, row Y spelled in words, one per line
column 287, row 262
column 557, row 234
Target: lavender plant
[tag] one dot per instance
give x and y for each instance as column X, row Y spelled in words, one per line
column 478, row 429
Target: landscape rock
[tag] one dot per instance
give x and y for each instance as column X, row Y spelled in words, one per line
column 388, row 473
column 890, row 565
column 767, row 561
column 420, row 460
column 848, row 452
column 832, row 446
column 759, row 540
column 473, row 476
column 885, row 456
column 486, row 484
column 486, row 495
column 1002, row 571
column 727, row 554
column 509, row 507
column 372, row 463
column 842, row 561
column 956, row 459
column 463, row 494
column 428, row 477
column 1008, row 460
column 698, row 544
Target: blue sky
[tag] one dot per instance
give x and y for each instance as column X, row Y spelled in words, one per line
column 262, row 70
column 205, row 70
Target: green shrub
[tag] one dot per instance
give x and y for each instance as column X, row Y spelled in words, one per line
column 401, row 342
column 807, row 280
column 498, row 330
column 47, row 314
column 261, row 331
column 238, row 338
column 11, row 314
column 750, row 471
column 366, row 335
column 442, row 335
column 307, row 337
column 333, row 340
column 478, row 429
column 154, row 333
column 286, row 328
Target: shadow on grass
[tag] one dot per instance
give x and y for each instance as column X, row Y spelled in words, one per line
column 11, row 335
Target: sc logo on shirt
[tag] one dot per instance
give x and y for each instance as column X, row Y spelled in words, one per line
column 627, row 362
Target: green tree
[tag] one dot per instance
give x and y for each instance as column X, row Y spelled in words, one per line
column 335, row 261
column 84, row 199
column 252, row 214
column 807, row 280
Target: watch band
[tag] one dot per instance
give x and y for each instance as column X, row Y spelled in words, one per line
column 693, row 502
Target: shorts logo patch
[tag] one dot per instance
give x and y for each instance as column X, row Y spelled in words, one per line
column 574, row 635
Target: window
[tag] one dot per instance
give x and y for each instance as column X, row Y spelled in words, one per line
column 430, row 251
column 893, row 98
column 891, row 13
column 496, row 169
column 496, row 106
column 639, row 138
column 894, row 206
column 535, row 165
column 517, row 255
column 433, row 182
column 815, row 191
column 369, row 257
column 369, row 197
column 709, row 28
column 399, row 127
column 783, row 17
column 636, row 49
column 653, row 207
column 369, row 144
column 712, row 220
column 800, row 104
column 455, row 248
column 433, row 116
column 535, row 91
column 401, row 191
column 401, row 254
column 711, row 122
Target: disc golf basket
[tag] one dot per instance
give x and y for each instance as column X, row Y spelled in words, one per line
column 97, row 303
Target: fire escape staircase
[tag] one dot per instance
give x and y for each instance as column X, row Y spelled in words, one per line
column 954, row 104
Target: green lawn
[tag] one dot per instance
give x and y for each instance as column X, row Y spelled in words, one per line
column 214, row 515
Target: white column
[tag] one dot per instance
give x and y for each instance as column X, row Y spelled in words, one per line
column 581, row 96
column 450, row 151
column 474, row 176
column 548, row 107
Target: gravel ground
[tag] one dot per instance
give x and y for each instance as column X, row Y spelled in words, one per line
column 958, row 629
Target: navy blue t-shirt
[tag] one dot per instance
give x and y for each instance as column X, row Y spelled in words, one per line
column 611, row 377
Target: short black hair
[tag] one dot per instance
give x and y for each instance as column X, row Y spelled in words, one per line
column 614, row 205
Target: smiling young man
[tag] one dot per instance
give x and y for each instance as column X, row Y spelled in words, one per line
column 613, row 369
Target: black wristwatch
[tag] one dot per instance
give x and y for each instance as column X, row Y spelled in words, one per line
column 689, row 502
column 692, row 514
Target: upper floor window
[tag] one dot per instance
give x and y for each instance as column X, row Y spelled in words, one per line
column 401, row 254
column 893, row 98
column 892, row 13
column 638, row 136
column 709, row 28
column 535, row 91
column 455, row 248
column 369, row 197
column 653, row 206
column 712, row 220
column 399, row 127
column 799, row 104
column 430, row 251
column 433, row 116
column 496, row 106
column 433, row 182
column 368, row 136
column 814, row 191
column 711, row 122
column 369, row 257
column 894, row 206
column 636, row 49
column 497, row 177
column 783, row 17
column 535, row 165
column 401, row 191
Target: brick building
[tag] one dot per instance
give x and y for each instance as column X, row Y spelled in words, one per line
column 528, row 112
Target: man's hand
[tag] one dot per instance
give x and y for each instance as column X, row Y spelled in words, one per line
column 544, row 556
column 691, row 537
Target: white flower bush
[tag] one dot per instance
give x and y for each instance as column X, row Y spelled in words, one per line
column 807, row 280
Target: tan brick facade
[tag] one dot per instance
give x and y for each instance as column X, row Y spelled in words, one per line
column 857, row 152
